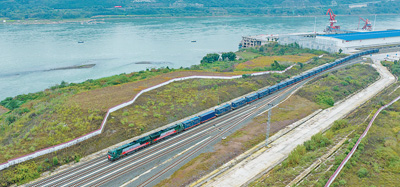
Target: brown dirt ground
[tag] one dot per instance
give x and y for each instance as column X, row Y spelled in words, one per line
column 291, row 110
column 3, row 110
column 114, row 95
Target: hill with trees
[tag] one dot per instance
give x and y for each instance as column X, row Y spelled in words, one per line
column 72, row 9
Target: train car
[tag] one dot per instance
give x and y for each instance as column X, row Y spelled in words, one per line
column 166, row 133
column 273, row 89
column 191, row 123
column 223, row 109
column 281, row 85
column 290, row 82
column 251, row 98
column 207, row 116
column 128, row 148
column 238, row 103
column 263, row 93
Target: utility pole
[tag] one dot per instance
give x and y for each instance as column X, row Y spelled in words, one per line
column 268, row 124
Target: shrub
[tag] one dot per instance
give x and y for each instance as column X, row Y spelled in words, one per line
column 362, row 173
column 342, row 182
column 317, row 141
column 55, row 161
column 339, row 124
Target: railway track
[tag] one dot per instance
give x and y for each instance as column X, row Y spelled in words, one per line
column 100, row 171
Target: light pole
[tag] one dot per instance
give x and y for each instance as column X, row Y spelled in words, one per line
column 268, row 124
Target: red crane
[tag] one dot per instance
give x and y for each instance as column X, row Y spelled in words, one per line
column 367, row 26
column 332, row 21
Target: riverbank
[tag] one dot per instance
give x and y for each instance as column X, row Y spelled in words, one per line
column 104, row 18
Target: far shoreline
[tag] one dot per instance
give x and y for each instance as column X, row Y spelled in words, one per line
column 102, row 18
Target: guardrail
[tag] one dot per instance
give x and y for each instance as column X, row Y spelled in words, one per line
column 113, row 109
column 336, row 173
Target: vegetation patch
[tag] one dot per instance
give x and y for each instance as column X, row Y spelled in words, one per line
column 266, row 63
column 394, row 67
column 329, row 88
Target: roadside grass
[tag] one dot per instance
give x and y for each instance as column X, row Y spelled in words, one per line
column 295, row 108
column 336, row 86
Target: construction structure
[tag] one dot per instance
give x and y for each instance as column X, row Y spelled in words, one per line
column 332, row 21
column 367, row 26
column 259, row 40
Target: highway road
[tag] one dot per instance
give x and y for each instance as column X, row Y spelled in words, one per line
column 157, row 162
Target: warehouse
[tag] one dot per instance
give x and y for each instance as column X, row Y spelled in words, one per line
column 348, row 42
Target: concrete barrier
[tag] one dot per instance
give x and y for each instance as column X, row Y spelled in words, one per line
column 113, row 109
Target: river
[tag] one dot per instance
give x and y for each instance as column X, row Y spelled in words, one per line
column 33, row 57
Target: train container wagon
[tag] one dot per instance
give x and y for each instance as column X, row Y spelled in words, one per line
column 297, row 79
column 273, row 89
column 129, row 148
column 223, row 109
column 251, row 98
column 238, row 103
column 290, row 82
column 207, row 116
column 191, row 122
column 281, row 85
column 165, row 133
column 263, row 93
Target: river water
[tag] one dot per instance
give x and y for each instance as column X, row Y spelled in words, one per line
column 30, row 53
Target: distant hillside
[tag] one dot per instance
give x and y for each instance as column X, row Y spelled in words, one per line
column 69, row 9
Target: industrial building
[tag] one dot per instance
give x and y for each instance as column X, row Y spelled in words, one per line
column 348, row 42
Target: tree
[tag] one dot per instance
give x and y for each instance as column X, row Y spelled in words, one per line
column 210, row 58
column 300, row 64
column 231, row 56
column 340, row 51
column 276, row 65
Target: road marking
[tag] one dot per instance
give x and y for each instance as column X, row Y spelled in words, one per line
column 233, row 117
column 164, row 162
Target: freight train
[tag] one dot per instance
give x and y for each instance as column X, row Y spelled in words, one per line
column 202, row 118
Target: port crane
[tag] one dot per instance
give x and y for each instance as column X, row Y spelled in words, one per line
column 332, row 21
column 367, row 26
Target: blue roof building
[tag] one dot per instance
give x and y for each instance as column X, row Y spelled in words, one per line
column 365, row 35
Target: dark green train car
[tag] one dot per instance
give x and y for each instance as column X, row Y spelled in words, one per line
column 144, row 142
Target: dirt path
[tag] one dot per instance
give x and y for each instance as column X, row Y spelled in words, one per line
column 256, row 165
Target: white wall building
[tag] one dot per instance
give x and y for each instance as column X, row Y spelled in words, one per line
column 348, row 42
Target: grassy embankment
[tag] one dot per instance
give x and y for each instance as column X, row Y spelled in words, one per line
column 66, row 111
column 376, row 161
column 320, row 93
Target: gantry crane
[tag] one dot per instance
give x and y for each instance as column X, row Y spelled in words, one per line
column 367, row 26
column 332, row 21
